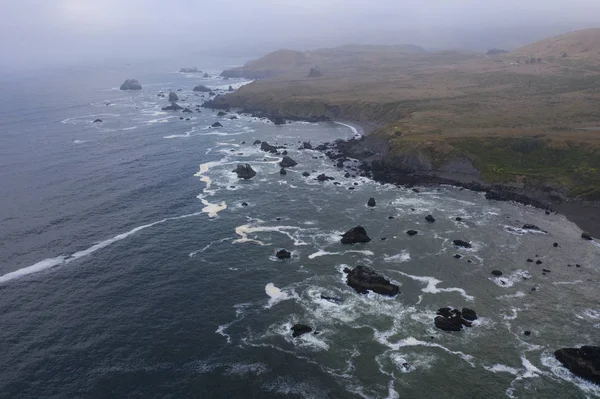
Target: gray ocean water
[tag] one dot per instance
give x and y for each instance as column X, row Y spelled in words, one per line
column 130, row 268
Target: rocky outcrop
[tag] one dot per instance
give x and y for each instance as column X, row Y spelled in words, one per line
column 462, row 244
column 187, row 111
column 98, row 120
column 497, row 273
column 264, row 146
column 355, row 235
column 412, row 232
column 221, row 113
column 202, row 89
column 282, row 171
column 172, row 107
column 300, row 329
column 278, row 121
column 449, row 319
column 131, row 84
column 230, row 88
column 430, row 218
column 245, row 171
column 586, row 236
column 287, row 162
column 364, row 279
column 173, row 97
column 216, row 124
column 583, row 362
column 283, row 254
column 306, row 146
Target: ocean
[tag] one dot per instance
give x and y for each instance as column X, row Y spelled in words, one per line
column 134, row 263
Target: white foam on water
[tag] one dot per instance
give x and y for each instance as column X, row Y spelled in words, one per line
column 221, row 331
column 511, row 279
column 244, row 230
column 275, row 294
column 62, row 260
column 78, row 141
column 354, row 129
column 241, row 369
column 402, row 257
column 568, row 282
column 287, row 386
column 129, row 128
column 185, row 135
column 212, row 209
column 589, row 388
column 513, row 315
column 205, row 168
column 412, row 341
column 222, row 240
column 432, row 283
column 324, row 253
column 520, row 231
column 593, row 314
column 500, row 368
column 518, row 294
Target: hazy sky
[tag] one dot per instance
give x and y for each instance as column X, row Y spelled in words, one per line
column 39, row 32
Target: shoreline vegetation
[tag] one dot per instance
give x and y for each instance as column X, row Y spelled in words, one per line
column 521, row 125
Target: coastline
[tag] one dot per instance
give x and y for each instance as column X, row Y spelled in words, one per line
column 370, row 152
column 586, row 215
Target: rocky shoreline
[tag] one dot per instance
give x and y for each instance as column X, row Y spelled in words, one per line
column 410, row 170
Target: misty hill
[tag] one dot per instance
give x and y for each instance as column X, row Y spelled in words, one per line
column 582, row 46
column 285, row 61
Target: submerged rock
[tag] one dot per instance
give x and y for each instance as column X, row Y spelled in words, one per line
column 463, row 244
column 364, row 279
column 300, row 329
column 283, row 254
column 245, row 171
column 583, row 362
column 172, row 107
column 315, row 73
column 278, row 121
column 497, row 273
column 371, row 202
column 187, row 111
column 306, row 174
column 355, row 235
column 430, row 218
column 221, row 113
column 533, row 227
column 98, row 120
column 202, row 89
column 216, row 124
column 131, row 84
column 287, row 162
column 322, row 177
column 282, row 171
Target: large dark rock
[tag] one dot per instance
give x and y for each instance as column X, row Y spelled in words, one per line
column 269, row 148
column 497, row 273
column 98, row 120
column 463, row 244
column 430, row 218
column 364, row 279
column 323, row 177
column 230, row 88
column 173, row 97
column 287, row 162
column 278, row 121
column 256, row 142
column 314, row 73
column 306, row 146
column 216, row 124
column 355, row 235
column 245, row 171
column 586, row 236
column 282, row 171
column 283, row 254
column 371, row 202
column 172, row 107
column 583, row 362
column 131, row 84
column 412, row 232
column 300, row 329
column 202, row 89
column 453, row 319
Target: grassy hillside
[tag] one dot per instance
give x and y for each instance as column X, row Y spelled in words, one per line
column 455, row 103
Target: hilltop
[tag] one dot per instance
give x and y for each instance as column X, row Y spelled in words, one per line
column 580, row 47
column 463, row 115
